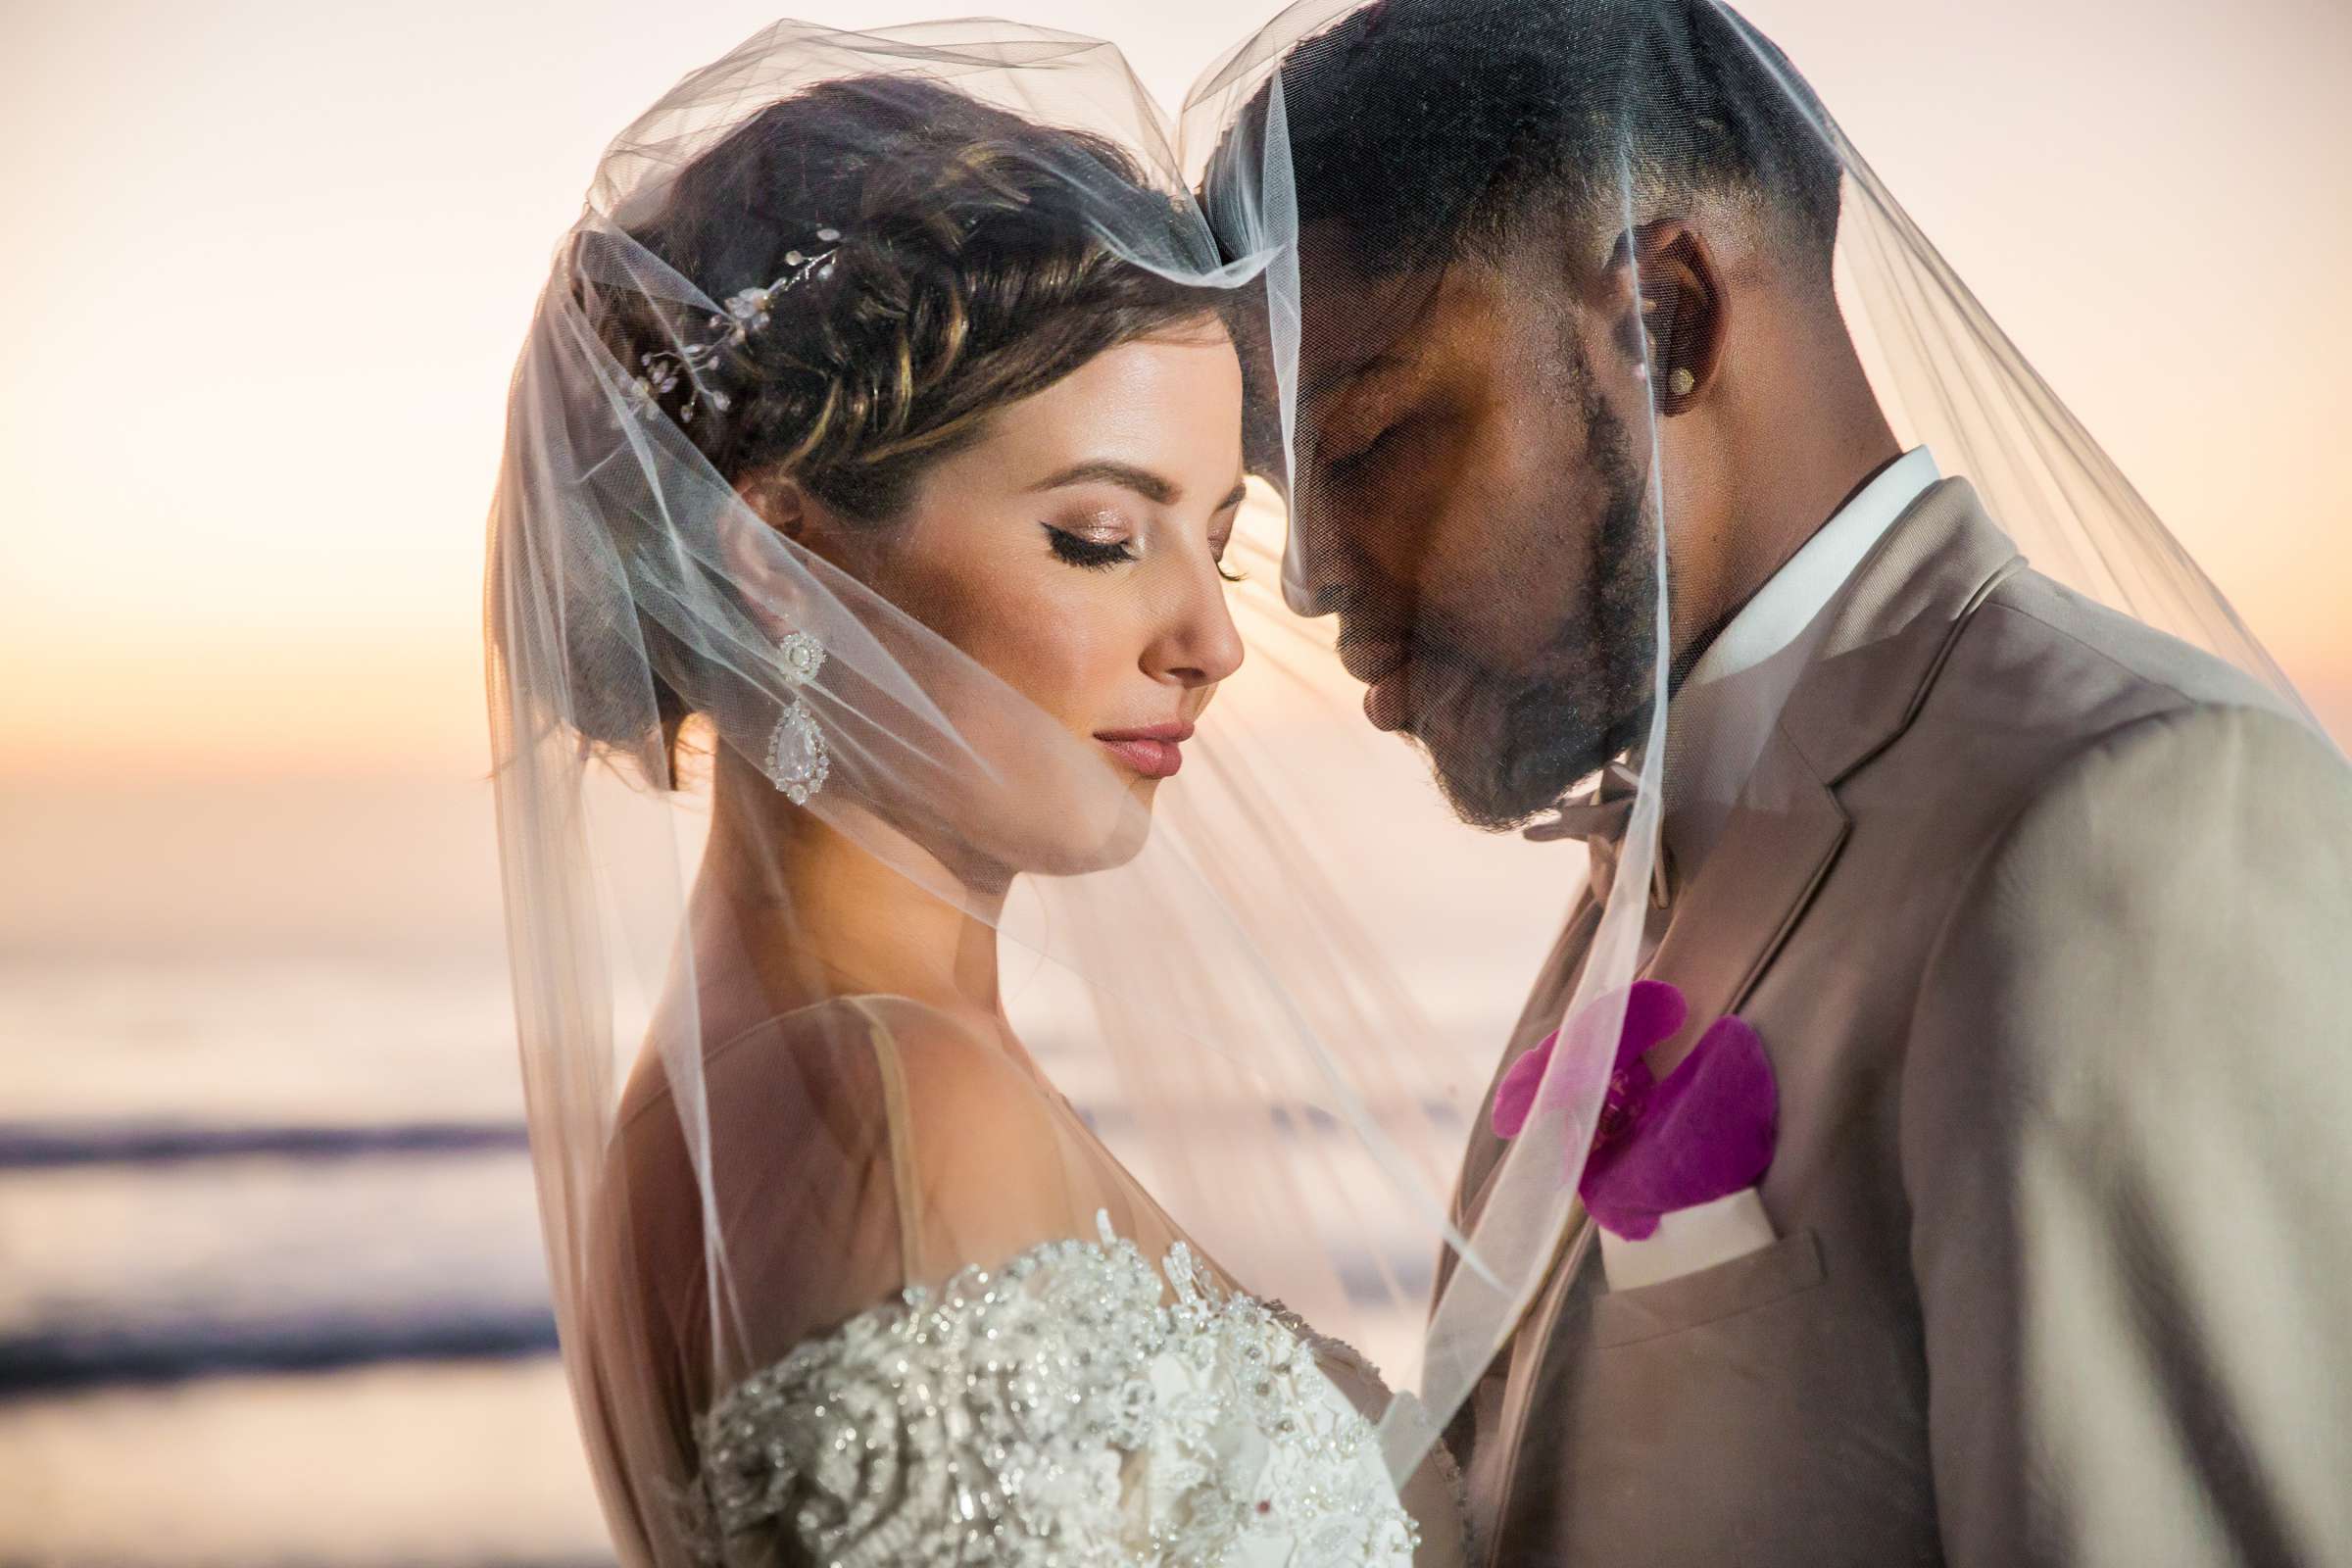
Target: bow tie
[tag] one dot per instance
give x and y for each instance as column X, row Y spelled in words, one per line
column 1599, row 817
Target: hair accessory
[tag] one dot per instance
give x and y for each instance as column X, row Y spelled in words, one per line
column 796, row 760
column 745, row 313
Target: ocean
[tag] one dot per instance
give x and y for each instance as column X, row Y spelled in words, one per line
column 271, row 1287
column 270, row 1279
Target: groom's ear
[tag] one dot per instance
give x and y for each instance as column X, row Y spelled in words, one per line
column 1669, row 281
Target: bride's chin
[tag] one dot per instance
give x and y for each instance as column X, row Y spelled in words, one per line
column 1099, row 833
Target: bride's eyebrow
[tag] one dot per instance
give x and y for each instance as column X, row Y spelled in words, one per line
column 1161, row 492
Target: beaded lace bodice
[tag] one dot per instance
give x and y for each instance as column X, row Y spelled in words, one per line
column 1056, row 1411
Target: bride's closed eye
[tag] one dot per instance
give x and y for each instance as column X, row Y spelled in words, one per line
column 1096, row 554
column 1092, row 552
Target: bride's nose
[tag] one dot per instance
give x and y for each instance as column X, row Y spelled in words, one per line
column 1195, row 642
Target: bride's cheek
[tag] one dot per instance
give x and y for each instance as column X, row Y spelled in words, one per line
column 1064, row 666
column 1027, row 638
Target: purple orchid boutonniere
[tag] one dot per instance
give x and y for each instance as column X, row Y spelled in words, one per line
column 1703, row 1132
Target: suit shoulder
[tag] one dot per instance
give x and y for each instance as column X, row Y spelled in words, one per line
column 2088, row 650
column 2039, row 674
column 2181, row 880
column 2044, row 694
column 2189, row 777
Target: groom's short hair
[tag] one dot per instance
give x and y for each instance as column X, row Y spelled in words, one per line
column 1425, row 129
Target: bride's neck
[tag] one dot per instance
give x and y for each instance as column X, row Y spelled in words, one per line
column 822, row 911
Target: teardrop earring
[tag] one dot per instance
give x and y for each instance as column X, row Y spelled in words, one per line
column 796, row 760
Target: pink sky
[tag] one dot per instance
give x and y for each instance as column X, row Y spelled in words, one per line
column 272, row 261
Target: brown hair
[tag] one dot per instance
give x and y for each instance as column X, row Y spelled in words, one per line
column 969, row 271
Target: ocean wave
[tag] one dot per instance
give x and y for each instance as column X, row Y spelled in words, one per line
column 52, row 1145
column 66, row 1358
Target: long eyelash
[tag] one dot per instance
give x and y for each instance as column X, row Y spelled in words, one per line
column 1090, row 554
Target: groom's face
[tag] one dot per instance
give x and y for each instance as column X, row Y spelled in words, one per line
column 1469, row 501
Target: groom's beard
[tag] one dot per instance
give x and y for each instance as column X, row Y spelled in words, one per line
column 1504, row 746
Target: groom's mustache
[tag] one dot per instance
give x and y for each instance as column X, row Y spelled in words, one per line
column 1372, row 657
column 1373, row 645
column 1405, row 674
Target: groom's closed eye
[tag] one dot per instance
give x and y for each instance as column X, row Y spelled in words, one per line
column 1380, row 413
column 1376, row 458
column 1358, row 459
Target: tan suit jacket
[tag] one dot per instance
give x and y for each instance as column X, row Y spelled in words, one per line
column 2045, row 922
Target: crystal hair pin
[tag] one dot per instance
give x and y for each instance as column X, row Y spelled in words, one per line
column 746, row 312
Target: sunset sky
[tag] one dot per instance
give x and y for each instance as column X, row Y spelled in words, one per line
column 271, row 262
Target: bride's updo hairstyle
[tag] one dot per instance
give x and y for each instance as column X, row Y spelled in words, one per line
column 941, row 263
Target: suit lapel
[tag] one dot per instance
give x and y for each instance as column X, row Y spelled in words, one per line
column 1887, row 634
column 1889, row 631
column 1545, row 1004
column 1728, row 925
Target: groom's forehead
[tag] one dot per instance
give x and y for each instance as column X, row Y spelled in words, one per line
column 1357, row 326
column 1352, row 322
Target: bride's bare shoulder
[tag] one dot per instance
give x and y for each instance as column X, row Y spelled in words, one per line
column 935, row 1111
column 841, row 1062
column 955, row 1076
column 1000, row 1161
column 820, row 1049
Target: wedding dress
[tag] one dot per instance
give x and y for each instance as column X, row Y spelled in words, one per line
column 948, row 1361
column 849, row 1280
column 777, row 1263
column 1058, row 1410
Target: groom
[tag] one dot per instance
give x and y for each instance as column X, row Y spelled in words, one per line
column 2045, row 919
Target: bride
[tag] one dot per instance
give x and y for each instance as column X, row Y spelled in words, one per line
column 871, row 467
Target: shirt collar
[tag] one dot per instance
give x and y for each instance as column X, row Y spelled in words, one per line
column 1794, row 596
column 1723, row 712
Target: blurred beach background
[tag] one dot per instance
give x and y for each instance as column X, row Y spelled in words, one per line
column 270, row 1290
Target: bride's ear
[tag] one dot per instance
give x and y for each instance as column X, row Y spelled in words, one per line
column 770, row 579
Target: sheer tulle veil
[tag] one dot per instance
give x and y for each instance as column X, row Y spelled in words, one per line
column 1275, row 995
column 1285, row 1074
column 1675, row 95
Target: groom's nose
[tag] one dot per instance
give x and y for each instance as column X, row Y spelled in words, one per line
column 1315, row 580
column 1296, row 592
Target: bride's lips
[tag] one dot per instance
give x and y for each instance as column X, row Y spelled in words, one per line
column 1152, row 751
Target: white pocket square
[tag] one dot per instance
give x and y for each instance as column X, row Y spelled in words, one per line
column 1688, row 1240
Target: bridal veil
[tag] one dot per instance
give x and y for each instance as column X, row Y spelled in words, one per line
column 1275, row 998
column 1683, row 111
column 1216, row 1057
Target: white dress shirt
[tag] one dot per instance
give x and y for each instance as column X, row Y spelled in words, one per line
column 1718, row 721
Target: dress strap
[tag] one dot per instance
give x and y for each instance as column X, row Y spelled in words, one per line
column 896, row 1125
